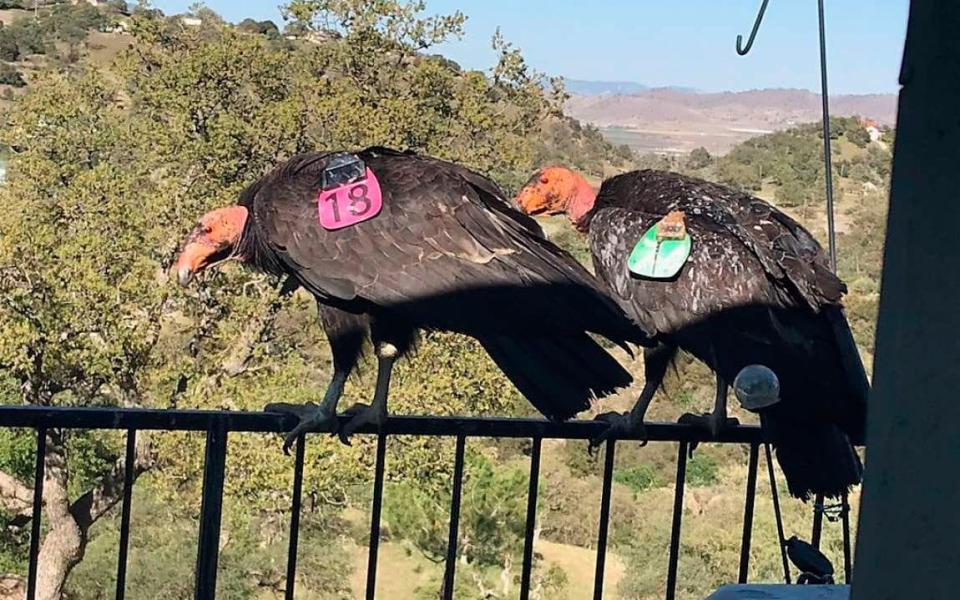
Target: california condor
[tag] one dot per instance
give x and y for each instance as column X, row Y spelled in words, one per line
column 437, row 248
column 756, row 288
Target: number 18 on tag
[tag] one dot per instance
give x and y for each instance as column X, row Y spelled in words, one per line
column 350, row 203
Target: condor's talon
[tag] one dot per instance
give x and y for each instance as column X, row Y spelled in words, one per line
column 310, row 416
column 361, row 414
column 618, row 425
column 711, row 422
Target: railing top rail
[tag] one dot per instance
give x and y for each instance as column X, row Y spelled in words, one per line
column 202, row 420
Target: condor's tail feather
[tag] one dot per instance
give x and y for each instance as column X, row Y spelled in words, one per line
column 816, row 458
column 558, row 375
column 857, row 386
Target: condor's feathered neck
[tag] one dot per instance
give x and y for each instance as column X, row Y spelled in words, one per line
column 253, row 248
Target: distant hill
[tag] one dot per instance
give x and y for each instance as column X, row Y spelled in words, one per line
column 583, row 87
column 673, row 121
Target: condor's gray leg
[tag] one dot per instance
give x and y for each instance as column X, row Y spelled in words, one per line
column 392, row 338
column 376, row 412
column 346, row 332
column 655, row 360
column 716, row 421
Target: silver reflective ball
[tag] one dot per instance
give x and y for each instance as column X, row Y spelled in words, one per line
column 757, row 387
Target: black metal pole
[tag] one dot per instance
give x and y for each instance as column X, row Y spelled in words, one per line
column 748, row 504
column 211, row 510
column 847, row 559
column 451, row 564
column 677, row 517
column 375, row 517
column 532, row 491
column 817, row 521
column 604, row 520
column 781, row 537
column 295, row 518
column 37, row 513
column 827, row 160
column 128, row 465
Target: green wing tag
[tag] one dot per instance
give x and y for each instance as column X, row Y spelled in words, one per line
column 661, row 255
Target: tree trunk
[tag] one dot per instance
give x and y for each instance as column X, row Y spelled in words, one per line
column 65, row 542
column 12, row 588
column 68, row 523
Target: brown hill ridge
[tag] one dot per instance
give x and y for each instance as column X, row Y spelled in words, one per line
column 669, row 120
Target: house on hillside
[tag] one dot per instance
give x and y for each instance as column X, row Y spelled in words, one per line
column 191, row 21
column 873, row 128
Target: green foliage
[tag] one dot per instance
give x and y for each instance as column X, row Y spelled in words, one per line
column 118, row 6
column 16, row 459
column 66, row 23
column 791, row 193
column 858, row 136
column 638, row 478
column 702, row 469
column 163, row 545
column 742, row 175
column 493, row 512
column 29, row 35
column 9, row 50
column 71, row 23
column 699, row 158
column 265, row 28
column 10, row 76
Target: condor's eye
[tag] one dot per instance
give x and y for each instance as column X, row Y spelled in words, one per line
column 543, row 180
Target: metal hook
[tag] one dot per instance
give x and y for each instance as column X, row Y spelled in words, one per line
column 753, row 34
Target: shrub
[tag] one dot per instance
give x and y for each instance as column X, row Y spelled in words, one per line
column 10, row 76
column 638, row 478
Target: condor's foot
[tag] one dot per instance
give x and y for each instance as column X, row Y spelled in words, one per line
column 310, row 416
column 618, row 425
column 714, row 423
column 360, row 415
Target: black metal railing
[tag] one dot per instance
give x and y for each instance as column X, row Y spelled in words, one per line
column 219, row 424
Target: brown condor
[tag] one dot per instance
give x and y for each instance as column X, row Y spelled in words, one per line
column 435, row 247
column 756, row 288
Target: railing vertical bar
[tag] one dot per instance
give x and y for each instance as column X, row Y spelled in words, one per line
column 847, row 559
column 817, row 521
column 776, row 513
column 211, row 510
column 604, row 519
column 450, row 568
column 531, row 523
column 677, row 517
column 128, row 465
column 748, row 505
column 827, row 162
column 37, row 513
column 375, row 517
column 291, row 582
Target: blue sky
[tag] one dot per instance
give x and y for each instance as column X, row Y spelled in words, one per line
column 660, row 43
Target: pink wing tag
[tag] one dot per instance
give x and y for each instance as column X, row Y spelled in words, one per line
column 351, row 203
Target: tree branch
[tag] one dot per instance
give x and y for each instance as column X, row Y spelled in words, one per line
column 15, row 498
column 95, row 503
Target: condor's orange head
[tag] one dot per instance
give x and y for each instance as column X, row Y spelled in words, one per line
column 555, row 190
column 214, row 240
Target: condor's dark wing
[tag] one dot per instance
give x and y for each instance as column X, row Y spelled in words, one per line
column 790, row 256
column 447, row 253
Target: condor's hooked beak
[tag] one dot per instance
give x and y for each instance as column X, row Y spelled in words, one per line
column 212, row 241
column 534, row 199
column 195, row 257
